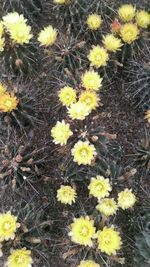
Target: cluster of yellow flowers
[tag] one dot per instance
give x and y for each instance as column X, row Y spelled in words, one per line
column 79, row 106
column 128, row 12
column 8, row 102
column 99, row 56
column 129, row 32
column 132, row 19
column 83, row 231
column 16, row 27
column 100, row 188
column 8, row 227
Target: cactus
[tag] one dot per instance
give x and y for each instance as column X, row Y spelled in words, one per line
column 138, row 85
column 18, row 53
column 143, row 153
column 21, row 113
column 74, row 13
column 30, row 8
column 69, row 53
column 142, row 257
column 142, row 251
column 32, row 232
column 21, row 60
column 18, row 162
column 71, row 14
column 106, row 162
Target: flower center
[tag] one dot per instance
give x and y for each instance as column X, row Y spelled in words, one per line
column 98, row 57
column 107, row 239
column 99, row 187
column 79, row 109
column 7, row 226
column 66, row 194
column 83, row 152
column 20, row 34
column 88, row 100
column 19, row 259
column 67, row 96
column 91, row 82
column 84, row 231
column 8, row 103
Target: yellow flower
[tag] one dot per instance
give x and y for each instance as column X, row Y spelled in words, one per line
column 98, row 56
column 66, row 194
column 61, row 132
column 94, row 21
column 109, row 240
column 8, row 102
column 126, row 199
column 60, row 1
column 147, row 115
column 127, row 12
column 107, row 206
column 2, row 43
column 99, row 187
column 91, row 80
column 2, row 89
column 67, row 96
column 83, row 153
column 129, row 32
column 143, row 19
column 12, row 18
column 88, row 263
column 78, row 111
column 20, row 258
column 112, row 43
column 1, row 29
column 8, row 226
column 82, row 231
column 21, row 33
column 48, row 36
column 90, row 98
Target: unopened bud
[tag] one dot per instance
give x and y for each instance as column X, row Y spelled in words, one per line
column 18, row 62
column 94, row 138
column 18, row 158
column 116, row 26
